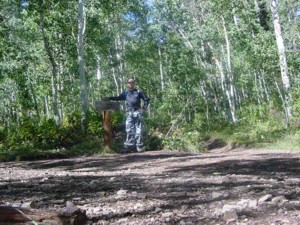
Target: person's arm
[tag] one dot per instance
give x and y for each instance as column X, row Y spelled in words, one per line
column 121, row 97
column 145, row 98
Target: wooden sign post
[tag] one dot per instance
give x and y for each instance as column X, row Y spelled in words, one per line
column 106, row 107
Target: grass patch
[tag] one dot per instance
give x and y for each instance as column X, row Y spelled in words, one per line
column 29, row 153
column 260, row 135
column 290, row 141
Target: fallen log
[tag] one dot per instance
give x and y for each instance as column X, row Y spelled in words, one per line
column 70, row 215
column 18, row 216
column 12, row 215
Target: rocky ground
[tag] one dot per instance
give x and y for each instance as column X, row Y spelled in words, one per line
column 223, row 186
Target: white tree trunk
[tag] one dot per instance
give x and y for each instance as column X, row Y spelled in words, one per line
column 266, row 92
column 232, row 91
column 114, row 75
column 46, row 107
column 81, row 62
column 119, row 57
column 161, row 70
column 32, row 92
column 287, row 99
column 99, row 73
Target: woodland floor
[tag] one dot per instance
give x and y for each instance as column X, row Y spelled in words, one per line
column 222, row 186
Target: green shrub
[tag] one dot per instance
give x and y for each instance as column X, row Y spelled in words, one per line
column 185, row 140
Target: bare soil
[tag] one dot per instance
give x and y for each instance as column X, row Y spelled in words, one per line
column 222, row 186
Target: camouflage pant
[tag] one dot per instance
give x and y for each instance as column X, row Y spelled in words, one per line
column 134, row 129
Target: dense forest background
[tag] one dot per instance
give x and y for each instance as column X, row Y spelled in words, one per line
column 215, row 70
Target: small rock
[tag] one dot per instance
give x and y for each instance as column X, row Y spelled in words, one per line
column 280, row 211
column 184, row 207
column 157, row 209
column 44, row 179
column 293, row 181
column 76, row 199
column 243, row 203
column 93, row 184
column 142, row 195
column 123, row 220
column 101, row 193
column 71, row 214
column 182, row 215
column 121, row 192
column 70, row 204
column 167, row 214
column 279, row 199
column 33, row 204
column 216, row 195
column 57, row 201
column 17, row 205
column 26, row 205
column 230, row 216
column 264, row 198
column 231, row 208
column 252, row 203
column 181, row 222
column 138, row 206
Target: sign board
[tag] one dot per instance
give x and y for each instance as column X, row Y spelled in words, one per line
column 107, row 106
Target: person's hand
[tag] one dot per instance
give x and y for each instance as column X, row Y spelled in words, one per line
column 141, row 110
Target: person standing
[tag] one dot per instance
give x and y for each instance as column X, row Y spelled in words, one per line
column 133, row 98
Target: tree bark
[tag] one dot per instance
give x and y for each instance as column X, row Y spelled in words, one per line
column 53, row 64
column 231, row 91
column 33, row 93
column 161, row 69
column 83, row 83
column 287, row 99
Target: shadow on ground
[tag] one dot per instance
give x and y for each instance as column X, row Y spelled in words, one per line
column 172, row 179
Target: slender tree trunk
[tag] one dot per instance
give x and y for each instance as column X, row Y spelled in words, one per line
column 281, row 95
column 287, row 98
column 46, row 108
column 113, row 72
column 265, row 86
column 99, row 72
column 204, row 94
column 258, row 88
column 161, row 69
column 225, row 89
column 231, row 91
column 98, row 77
column 120, row 60
column 33, row 93
column 53, row 64
column 83, row 83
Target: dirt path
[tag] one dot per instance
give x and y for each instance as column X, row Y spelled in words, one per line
column 220, row 187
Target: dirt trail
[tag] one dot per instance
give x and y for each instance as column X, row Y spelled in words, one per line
column 223, row 186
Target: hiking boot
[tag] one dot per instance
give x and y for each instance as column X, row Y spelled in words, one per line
column 140, row 149
column 124, row 150
column 127, row 149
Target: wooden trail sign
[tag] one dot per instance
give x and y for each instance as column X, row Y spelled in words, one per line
column 106, row 107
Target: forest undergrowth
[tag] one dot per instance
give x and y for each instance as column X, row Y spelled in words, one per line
column 48, row 140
